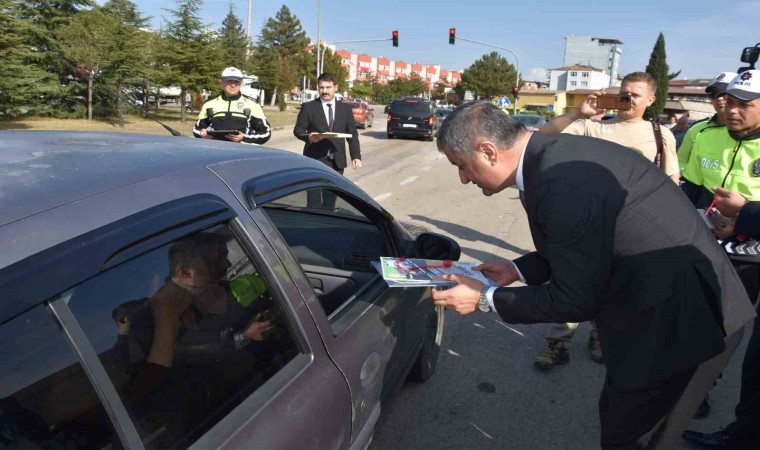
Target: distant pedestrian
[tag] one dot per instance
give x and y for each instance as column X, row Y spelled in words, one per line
column 322, row 115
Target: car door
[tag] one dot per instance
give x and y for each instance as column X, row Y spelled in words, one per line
column 101, row 279
column 363, row 323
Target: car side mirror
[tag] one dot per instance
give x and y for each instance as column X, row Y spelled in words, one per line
column 436, row 246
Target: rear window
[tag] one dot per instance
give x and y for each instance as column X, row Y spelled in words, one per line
column 407, row 108
column 353, row 105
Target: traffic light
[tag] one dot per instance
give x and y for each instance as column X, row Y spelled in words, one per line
column 452, row 35
column 515, row 91
column 395, row 38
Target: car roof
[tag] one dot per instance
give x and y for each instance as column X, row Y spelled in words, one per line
column 41, row 170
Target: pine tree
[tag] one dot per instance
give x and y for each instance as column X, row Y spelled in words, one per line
column 233, row 44
column 40, row 19
column 127, row 68
column 658, row 69
column 87, row 41
column 189, row 41
column 282, row 50
column 23, row 84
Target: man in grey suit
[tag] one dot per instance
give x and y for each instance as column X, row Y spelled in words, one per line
column 618, row 243
column 322, row 115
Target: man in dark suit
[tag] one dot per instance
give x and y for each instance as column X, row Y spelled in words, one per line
column 327, row 115
column 618, row 243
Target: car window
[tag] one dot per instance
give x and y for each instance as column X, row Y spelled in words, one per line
column 46, row 399
column 353, row 105
column 410, row 108
column 530, row 120
column 186, row 332
column 335, row 246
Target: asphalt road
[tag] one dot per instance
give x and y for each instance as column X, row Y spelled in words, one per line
column 485, row 392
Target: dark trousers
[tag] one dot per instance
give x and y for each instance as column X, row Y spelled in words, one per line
column 627, row 416
column 321, row 198
column 745, row 430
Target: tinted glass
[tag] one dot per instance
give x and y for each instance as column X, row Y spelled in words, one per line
column 444, row 112
column 353, row 105
column 186, row 332
column 335, row 249
column 415, row 108
column 46, row 399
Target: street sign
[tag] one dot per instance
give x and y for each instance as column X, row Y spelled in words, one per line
column 503, row 102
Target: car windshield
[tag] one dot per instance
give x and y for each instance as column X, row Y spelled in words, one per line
column 353, row 105
column 530, row 121
column 411, row 108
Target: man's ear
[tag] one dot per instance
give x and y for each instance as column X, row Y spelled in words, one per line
column 488, row 150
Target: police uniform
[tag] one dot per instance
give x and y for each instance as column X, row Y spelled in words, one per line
column 234, row 113
column 684, row 151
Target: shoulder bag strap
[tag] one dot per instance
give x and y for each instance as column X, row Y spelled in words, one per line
column 658, row 141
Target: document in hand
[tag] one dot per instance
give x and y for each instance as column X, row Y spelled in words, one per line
column 408, row 272
column 331, row 135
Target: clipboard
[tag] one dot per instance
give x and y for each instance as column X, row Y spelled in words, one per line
column 332, row 135
column 221, row 132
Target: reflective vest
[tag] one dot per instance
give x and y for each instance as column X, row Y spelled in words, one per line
column 720, row 159
column 684, row 151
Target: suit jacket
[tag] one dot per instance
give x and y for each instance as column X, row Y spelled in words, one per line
column 620, row 244
column 312, row 118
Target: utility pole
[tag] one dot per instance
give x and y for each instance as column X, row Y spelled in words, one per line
column 248, row 26
column 452, row 37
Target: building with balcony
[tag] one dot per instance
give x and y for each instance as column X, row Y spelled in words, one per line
column 577, row 76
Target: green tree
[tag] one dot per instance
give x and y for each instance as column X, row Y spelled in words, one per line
column 130, row 57
column 492, row 75
column 41, row 19
column 87, row 41
column 233, row 45
column 658, row 69
column 362, row 89
column 22, row 83
column 281, row 52
column 189, row 42
column 408, row 86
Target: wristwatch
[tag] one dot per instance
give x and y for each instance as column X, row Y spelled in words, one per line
column 483, row 300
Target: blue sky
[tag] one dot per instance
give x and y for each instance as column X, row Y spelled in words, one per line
column 702, row 38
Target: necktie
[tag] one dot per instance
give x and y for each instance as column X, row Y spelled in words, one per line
column 329, row 117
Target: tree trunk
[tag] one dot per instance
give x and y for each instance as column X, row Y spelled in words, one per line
column 120, row 105
column 274, row 98
column 89, row 94
column 182, row 104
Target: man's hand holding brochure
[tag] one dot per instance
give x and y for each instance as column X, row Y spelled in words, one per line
column 409, row 272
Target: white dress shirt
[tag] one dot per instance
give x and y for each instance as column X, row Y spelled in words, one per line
column 520, row 183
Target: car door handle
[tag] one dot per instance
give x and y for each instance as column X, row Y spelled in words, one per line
column 316, row 284
column 370, row 368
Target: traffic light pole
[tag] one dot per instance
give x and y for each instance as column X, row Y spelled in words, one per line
column 321, row 61
column 517, row 63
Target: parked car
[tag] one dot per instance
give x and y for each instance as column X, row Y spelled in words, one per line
column 443, row 113
column 412, row 117
column 530, row 122
column 363, row 114
column 162, row 292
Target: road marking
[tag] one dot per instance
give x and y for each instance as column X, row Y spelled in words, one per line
column 426, row 168
column 479, row 325
column 382, row 197
column 408, row 180
column 510, row 328
column 452, row 352
column 484, row 433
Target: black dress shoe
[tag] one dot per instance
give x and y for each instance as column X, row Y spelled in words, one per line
column 703, row 410
column 718, row 439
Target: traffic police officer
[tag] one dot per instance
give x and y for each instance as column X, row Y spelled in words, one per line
column 725, row 168
column 715, row 90
column 239, row 115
